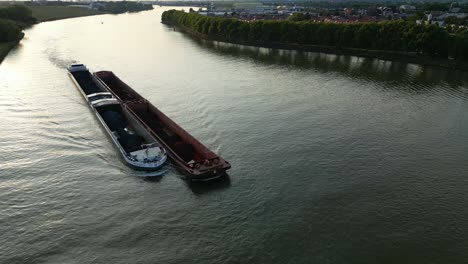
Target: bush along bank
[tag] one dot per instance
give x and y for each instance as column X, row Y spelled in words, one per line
column 13, row 19
column 122, row 7
column 428, row 44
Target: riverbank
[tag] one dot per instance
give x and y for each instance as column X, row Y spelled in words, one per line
column 390, row 40
column 45, row 13
column 50, row 13
column 408, row 57
column 13, row 20
column 29, row 15
column 5, row 48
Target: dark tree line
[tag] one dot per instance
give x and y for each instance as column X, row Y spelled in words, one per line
column 123, row 6
column 18, row 13
column 10, row 30
column 13, row 19
column 452, row 20
column 398, row 36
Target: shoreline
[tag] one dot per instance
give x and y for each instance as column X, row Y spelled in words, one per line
column 57, row 12
column 6, row 47
column 407, row 57
column 55, row 19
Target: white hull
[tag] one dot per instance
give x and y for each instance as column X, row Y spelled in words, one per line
column 151, row 156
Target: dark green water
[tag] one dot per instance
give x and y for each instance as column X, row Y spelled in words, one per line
column 335, row 159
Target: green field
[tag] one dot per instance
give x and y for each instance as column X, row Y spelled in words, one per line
column 47, row 13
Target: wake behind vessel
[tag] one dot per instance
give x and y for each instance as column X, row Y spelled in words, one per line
column 187, row 153
column 138, row 148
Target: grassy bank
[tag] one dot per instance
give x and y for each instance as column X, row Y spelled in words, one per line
column 48, row 13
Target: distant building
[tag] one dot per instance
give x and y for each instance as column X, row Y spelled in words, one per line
column 362, row 12
column 283, row 10
column 253, row 7
column 407, row 9
column 348, row 11
column 298, row 8
column 39, row 2
column 429, row 17
column 386, row 12
column 372, row 11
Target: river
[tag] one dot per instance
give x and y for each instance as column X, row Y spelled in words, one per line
column 334, row 159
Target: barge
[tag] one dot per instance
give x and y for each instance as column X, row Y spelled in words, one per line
column 187, row 153
column 138, row 148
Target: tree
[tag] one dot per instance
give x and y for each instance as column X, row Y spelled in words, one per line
column 10, row 30
column 389, row 35
column 18, row 13
column 415, row 17
column 453, row 20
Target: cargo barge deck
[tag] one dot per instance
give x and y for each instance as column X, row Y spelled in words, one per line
column 186, row 152
column 138, row 148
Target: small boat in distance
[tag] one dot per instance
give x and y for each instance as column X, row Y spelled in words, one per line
column 187, row 153
column 138, row 148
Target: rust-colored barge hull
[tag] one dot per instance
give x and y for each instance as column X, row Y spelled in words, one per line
column 187, row 153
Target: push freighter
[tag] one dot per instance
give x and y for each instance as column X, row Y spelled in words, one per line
column 138, row 147
column 187, row 153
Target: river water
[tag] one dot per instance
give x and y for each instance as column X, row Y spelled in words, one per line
column 334, row 159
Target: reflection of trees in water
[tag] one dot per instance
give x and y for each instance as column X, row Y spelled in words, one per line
column 397, row 74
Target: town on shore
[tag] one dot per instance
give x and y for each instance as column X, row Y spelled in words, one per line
column 440, row 13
